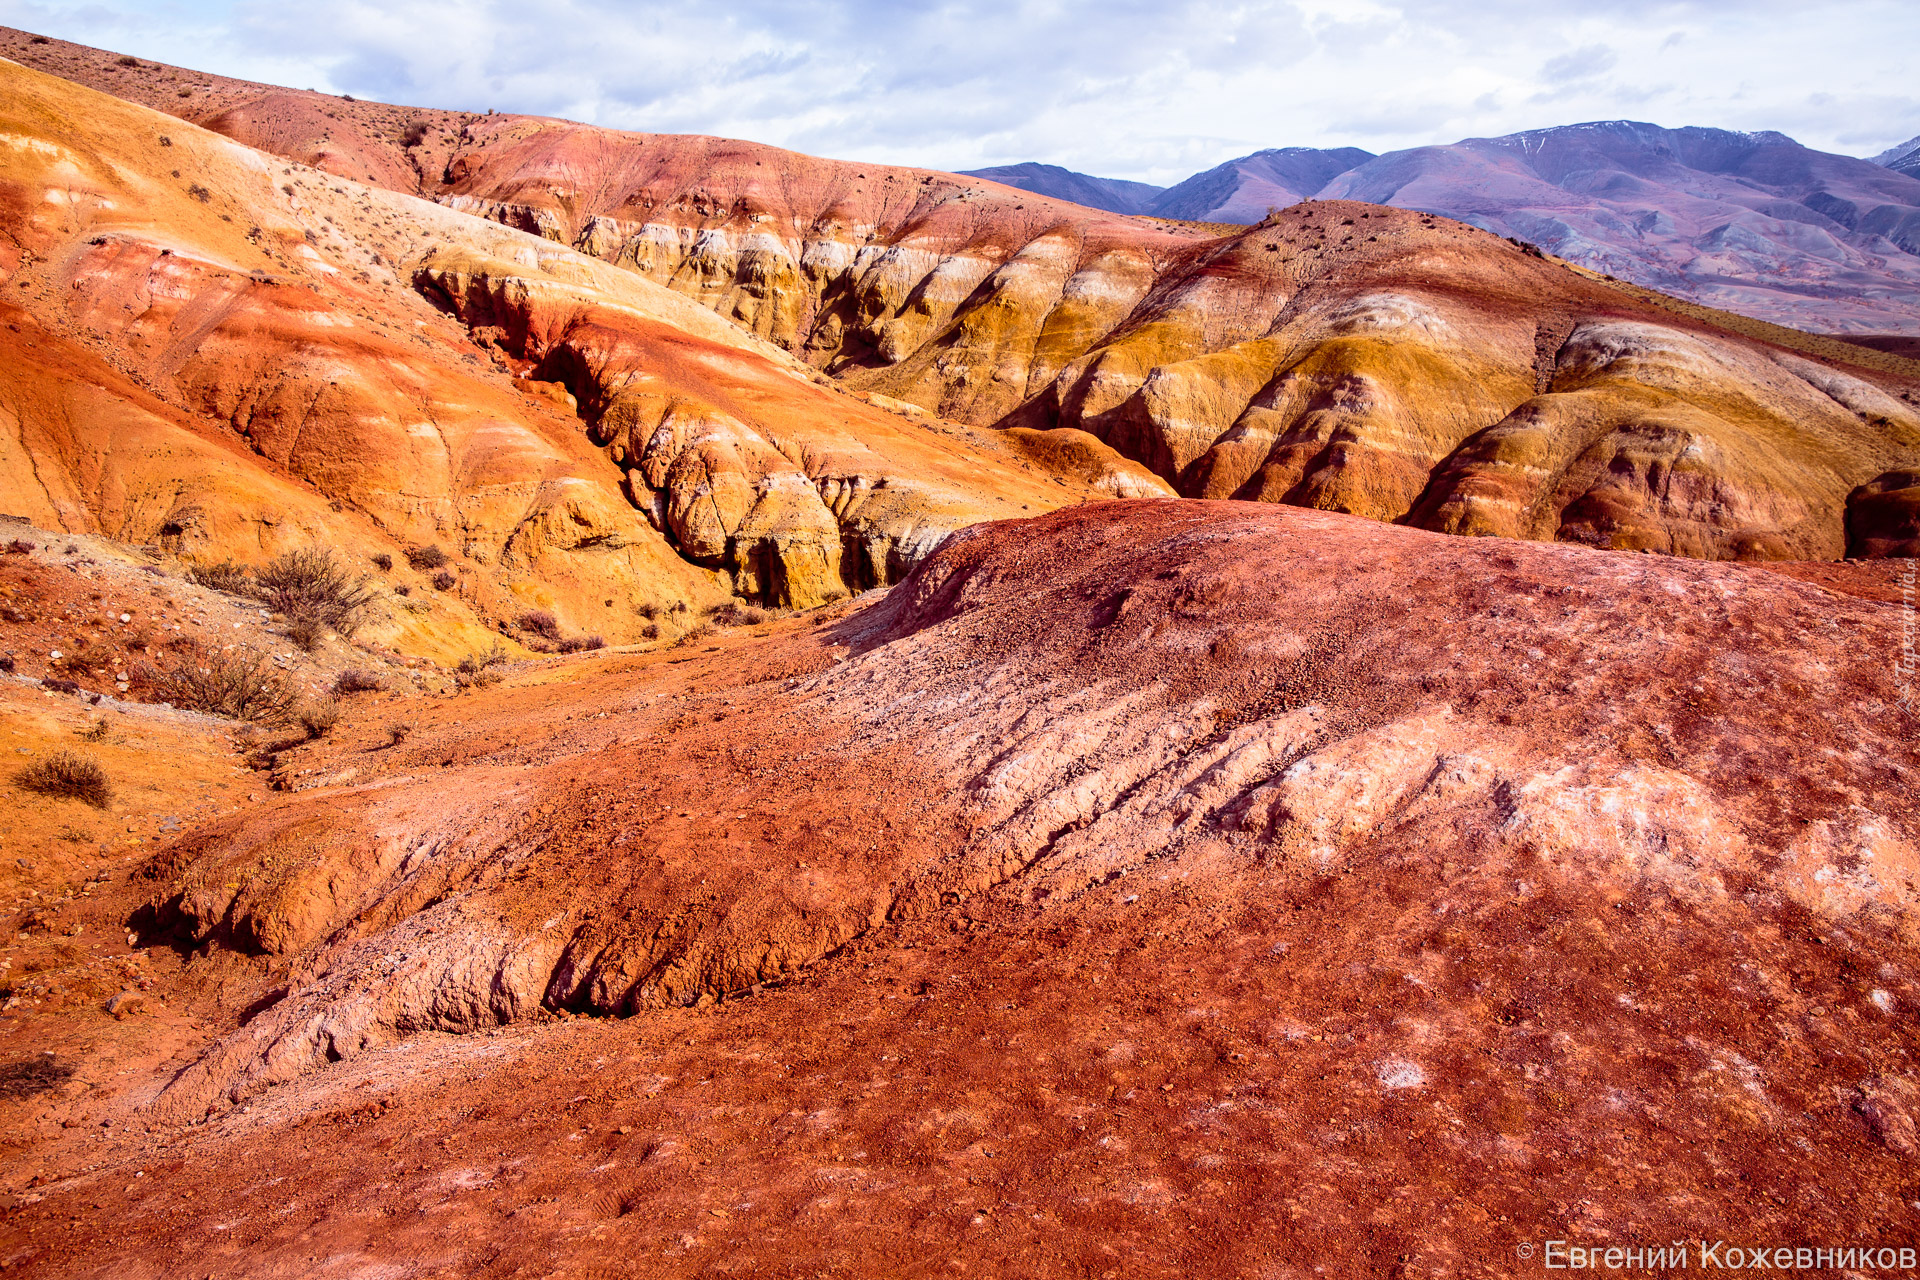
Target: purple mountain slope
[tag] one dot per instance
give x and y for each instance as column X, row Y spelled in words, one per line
column 1905, row 158
column 1243, row 190
column 1115, row 195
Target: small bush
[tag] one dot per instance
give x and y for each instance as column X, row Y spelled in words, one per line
column 88, row 659
column 239, row 686
column 403, row 590
column 735, row 614
column 648, row 610
column 306, row 632
column 699, row 631
column 415, row 134
column 226, row 577
column 650, row 632
column 318, row 717
column 6, row 663
column 679, row 606
column 60, row 686
column 356, row 680
column 68, row 774
column 443, row 581
column 578, row 644
column 126, row 60
column 475, row 664
column 19, row 547
column 383, row 562
column 427, row 557
column 95, row 732
column 199, row 192
column 310, row 584
column 398, row 732
column 540, row 623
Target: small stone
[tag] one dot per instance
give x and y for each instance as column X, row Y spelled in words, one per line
column 127, row 1003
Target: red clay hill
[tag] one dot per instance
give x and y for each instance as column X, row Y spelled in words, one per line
column 1152, row 888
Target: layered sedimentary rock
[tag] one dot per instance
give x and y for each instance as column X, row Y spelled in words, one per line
column 236, row 355
column 1341, row 356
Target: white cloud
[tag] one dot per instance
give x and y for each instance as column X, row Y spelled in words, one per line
column 1124, row 88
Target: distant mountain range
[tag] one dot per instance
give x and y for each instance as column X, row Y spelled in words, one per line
column 1905, row 157
column 1752, row 222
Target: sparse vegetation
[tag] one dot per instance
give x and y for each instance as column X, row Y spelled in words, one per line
column 476, row 669
column 239, row 685
column 579, row 644
column 306, row 632
column 398, row 732
column 427, row 557
column 443, row 581
column 383, row 562
column 71, row 775
column 650, row 632
column 226, row 577
column 126, row 60
column 95, row 732
column 30, row 1076
column 356, row 680
column 648, row 610
column 199, row 192
column 540, row 623
column 19, row 547
column 735, row 614
column 699, row 631
column 318, row 717
column 311, row 584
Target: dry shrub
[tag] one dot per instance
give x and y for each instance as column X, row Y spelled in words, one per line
column 239, row 686
column 735, row 614
column 69, row 774
column 648, row 610
column 427, row 557
column 398, row 732
column 19, row 547
column 226, row 577
column 578, row 644
column 306, row 632
column 383, row 562
column 318, row 717
column 126, row 60
column 310, row 584
column 650, row 632
column 95, row 732
column 540, row 623
column 443, row 581
column 88, row 659
column 699, row 631
column 476, row 669
column 356, row 680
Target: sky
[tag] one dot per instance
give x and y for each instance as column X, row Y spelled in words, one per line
column 1152, row 90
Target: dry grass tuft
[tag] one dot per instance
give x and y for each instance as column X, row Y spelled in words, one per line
column 318, row 717
column 71, row 775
